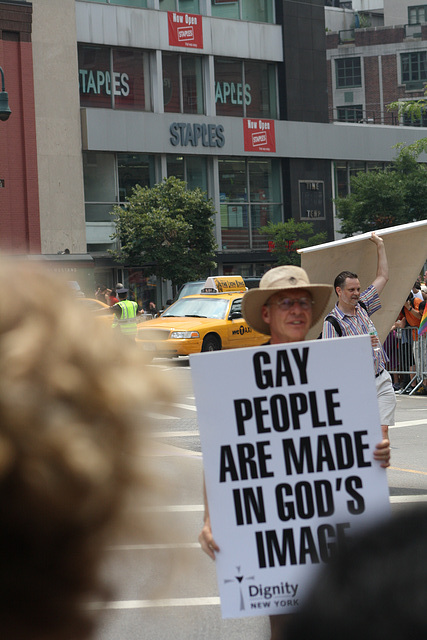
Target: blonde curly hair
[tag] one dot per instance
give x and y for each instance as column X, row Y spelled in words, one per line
column 70, row 390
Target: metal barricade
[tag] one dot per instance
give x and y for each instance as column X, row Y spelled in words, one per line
column 407, row 358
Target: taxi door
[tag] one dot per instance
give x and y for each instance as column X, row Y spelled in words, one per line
column 239, row 333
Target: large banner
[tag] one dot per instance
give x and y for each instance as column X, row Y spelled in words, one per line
column 406, row 247
column 288, row 434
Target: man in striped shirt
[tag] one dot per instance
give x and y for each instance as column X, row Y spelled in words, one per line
column 351, row 316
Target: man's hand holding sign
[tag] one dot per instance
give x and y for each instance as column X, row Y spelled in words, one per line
column 291, row 468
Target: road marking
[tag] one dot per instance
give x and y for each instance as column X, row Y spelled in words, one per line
column 178, row 434
column 146, row 604
column 172, row 508
column 423, row 473
column 146, row 547
column 408, row 423
column 189, row 407
column 160, row 416
column 397, row 499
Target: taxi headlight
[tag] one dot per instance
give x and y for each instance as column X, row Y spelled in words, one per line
column 184, row 335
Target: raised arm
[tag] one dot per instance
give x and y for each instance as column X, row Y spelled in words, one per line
column 381, row 278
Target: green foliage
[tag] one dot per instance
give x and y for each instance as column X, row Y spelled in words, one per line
column 411, row 108
column 168, row 230
column 380, row 199
column 289, row 236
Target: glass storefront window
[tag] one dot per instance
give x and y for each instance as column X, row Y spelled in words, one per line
column 264, row 180
column 114, row 78
column 142, row 4
column 197, row 175
column 99, row 177
column 182, row 83
column 261, row 215
column 171, row 86
column 230, row 94
column 245, row 88
column 184, row 6
column 223, row 9
column 134, row 169
column 175, row 167
column 232, row 180
column 128, row 78
column 259, row 11
column 241, row 217
column 192, row 84
column 99, row 185
column 94, row 76
column 191, row 169
column 260, row 77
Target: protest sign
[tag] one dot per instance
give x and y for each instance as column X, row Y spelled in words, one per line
column 288, row 434
column 405, row 247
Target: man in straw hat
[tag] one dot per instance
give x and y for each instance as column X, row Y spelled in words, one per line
column 284, row 306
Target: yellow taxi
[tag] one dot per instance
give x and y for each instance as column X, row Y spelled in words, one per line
column 209, row 321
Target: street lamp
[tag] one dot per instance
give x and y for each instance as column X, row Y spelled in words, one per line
column 4, row 102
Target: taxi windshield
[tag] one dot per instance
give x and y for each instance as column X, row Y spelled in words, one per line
column 198, row 308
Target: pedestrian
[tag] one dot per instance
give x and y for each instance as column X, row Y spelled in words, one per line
column 285, row 306
column 112, row 299
column 126, row 312
column 351, row 316
column 101, row 293
column 73, row 405
column 153, row 309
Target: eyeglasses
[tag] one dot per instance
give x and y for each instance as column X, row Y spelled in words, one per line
column 287, row 303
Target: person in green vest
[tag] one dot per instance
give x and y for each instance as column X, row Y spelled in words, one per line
column 126, row 312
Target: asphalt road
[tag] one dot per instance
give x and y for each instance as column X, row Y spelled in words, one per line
column 166, row 587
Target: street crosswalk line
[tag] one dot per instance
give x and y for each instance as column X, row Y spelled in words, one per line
column 146, row 604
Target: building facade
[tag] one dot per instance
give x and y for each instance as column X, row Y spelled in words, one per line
column 230, row 96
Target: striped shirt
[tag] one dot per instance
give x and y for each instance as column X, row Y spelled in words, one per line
column 358, row 324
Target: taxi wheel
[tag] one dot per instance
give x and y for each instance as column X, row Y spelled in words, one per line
column 211, row 343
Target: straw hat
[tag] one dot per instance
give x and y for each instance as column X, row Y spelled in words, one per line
column 278, row 279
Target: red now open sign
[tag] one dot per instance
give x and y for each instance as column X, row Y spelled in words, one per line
column 185, row 30
column 258, row 135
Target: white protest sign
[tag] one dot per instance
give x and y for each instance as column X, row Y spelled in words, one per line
column 288, row 434
column 406, row 253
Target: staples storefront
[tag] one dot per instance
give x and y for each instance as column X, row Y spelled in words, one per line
column 126, row 142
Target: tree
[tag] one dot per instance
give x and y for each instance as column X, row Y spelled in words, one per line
column 385, row 198
column 412, row 109
column 168, row 229
column 289, row 236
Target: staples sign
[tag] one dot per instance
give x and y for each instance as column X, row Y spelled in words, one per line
column 258, row 135
column 185, row 30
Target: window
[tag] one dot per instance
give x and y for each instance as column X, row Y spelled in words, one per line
column 114, row 78
column 352, row 113
column 182, row 83
column 191, row 169
column 348, row 72
column 259, row 11
column 417, row 14
column 184, row 6
column 110, row 178
column 134, row 169
column 129, row 3
column 245, row 88
column 412, row 120
column 250, row 197
column 414, row 69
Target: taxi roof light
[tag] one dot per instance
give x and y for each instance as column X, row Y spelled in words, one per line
column 224, row 284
